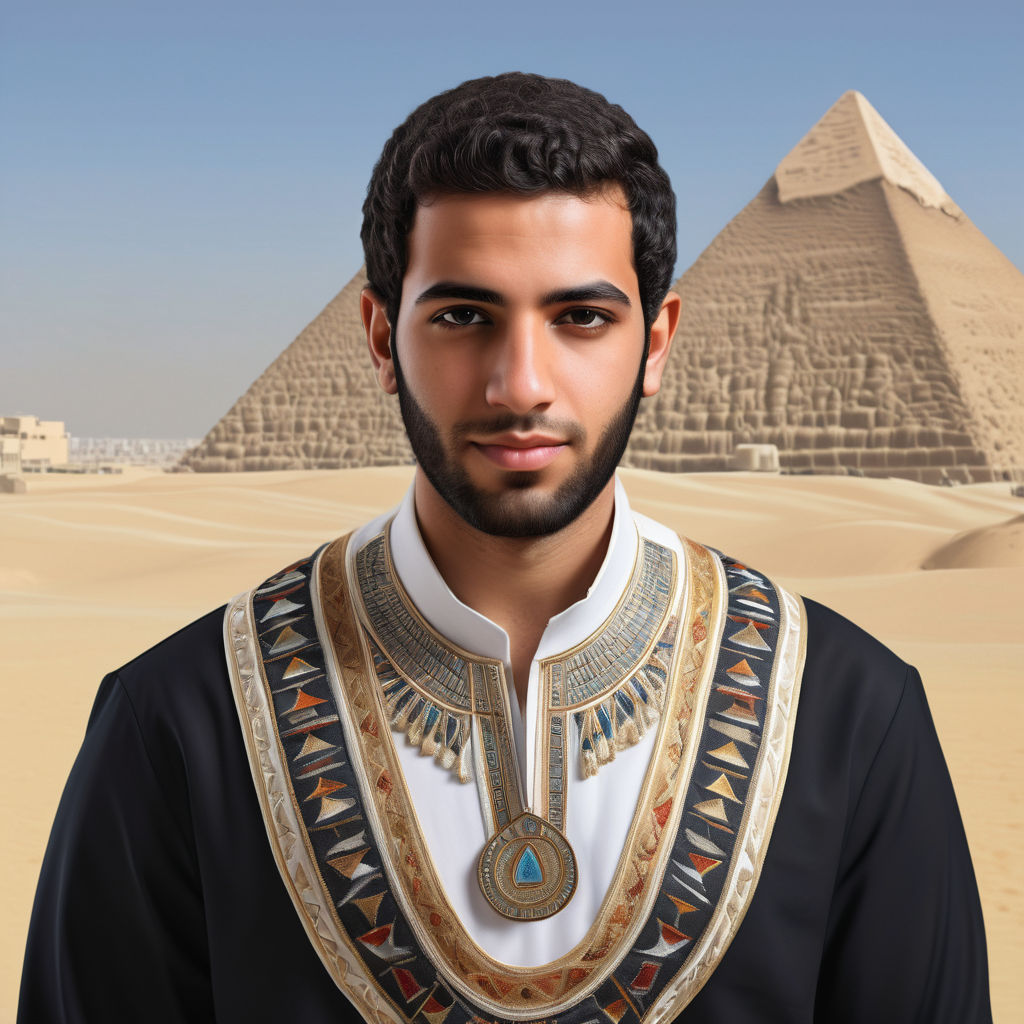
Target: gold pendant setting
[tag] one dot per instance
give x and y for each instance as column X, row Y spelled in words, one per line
column 527, row 871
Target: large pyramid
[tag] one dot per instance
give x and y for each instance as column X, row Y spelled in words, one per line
column 850, row 314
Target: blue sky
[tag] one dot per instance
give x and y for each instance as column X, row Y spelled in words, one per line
column 180, row 185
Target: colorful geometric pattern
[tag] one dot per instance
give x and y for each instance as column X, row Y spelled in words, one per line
column 348, row 903
column 499, row 989
column 621, row 644
column 613, row 684
column 434, row 711
column 716, row 798
column 611, row 687
column 327, row 793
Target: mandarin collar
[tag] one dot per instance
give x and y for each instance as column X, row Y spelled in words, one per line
column 478, row 634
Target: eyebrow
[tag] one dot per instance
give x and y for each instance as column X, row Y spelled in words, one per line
column 603, row 291
column 455, row 290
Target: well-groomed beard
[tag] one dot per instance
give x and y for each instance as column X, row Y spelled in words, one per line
column 513, row 512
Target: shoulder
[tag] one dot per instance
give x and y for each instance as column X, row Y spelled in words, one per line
column 854, row 673
column 181, row 666
column 857, row 698
column 178, row 696
column 844, row 665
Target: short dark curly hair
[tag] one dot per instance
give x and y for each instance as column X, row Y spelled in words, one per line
column 523, row 134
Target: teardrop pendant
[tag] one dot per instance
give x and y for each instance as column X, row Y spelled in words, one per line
column 527, row 871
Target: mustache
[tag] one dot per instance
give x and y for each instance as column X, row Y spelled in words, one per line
column 514, row 423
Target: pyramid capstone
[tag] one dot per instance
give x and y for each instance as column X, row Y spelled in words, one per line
column 851, row 144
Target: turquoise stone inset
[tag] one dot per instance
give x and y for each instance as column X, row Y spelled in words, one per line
column 528, row 870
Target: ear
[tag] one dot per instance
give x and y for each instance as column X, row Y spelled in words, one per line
column 378, row 337
column 662, row 331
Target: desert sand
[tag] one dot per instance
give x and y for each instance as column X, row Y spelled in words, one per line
column 94, row 570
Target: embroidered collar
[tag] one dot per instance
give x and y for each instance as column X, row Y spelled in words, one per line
column 612, row 682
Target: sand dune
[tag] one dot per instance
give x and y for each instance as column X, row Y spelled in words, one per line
column 983, row 548
column 93, row 571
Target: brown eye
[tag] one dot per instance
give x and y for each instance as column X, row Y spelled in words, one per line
column 463, row 316
column 584, row 317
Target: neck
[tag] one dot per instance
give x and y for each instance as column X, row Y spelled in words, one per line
column 539, row 576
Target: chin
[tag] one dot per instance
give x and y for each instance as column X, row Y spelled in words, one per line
column 523, row 509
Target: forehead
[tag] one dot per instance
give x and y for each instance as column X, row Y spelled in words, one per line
column 514, row 242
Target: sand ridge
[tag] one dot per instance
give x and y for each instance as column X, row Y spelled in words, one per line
column 95, row 570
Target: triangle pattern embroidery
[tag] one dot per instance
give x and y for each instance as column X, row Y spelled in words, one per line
column 287, row 640
column 703, row 864
column 313, row 745
column 723, row 788
column 329, row 807
column 297, row 667
column 713, row 809
column 730, row 754
column 681, row 905
column 434, row 1011
column 325, row 786
column 304, row 700
column 749, row 637
column 282, row 606
column 742, row 673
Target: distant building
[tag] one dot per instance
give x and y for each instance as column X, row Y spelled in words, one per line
column 41, row 443
column 10, row 455
column 142, row 451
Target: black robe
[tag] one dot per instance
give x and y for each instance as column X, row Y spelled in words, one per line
column 159, row 899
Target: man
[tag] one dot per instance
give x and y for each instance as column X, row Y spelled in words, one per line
column 512, row 751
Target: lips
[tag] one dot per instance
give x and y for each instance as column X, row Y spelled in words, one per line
column 526, row 452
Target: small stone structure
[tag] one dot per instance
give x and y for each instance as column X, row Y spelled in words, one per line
column 11, row 484
column 10, row 454
column 757, row 458
column 850, row 315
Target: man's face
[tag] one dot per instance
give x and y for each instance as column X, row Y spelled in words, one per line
column 520, row 354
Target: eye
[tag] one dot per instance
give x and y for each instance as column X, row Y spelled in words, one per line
column 460, row 316
column 584, row 317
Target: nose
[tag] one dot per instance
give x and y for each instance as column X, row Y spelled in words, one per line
column 521, row 378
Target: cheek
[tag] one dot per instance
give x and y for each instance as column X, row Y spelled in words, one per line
column 601, row 378
column 440, row 380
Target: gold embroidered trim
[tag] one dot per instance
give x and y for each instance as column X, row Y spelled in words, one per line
column 509, row 992
column 426, row 691
column 513, row 992
column 612, row 685
column 754, row 834
column 619, row 720
column 288, row 841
